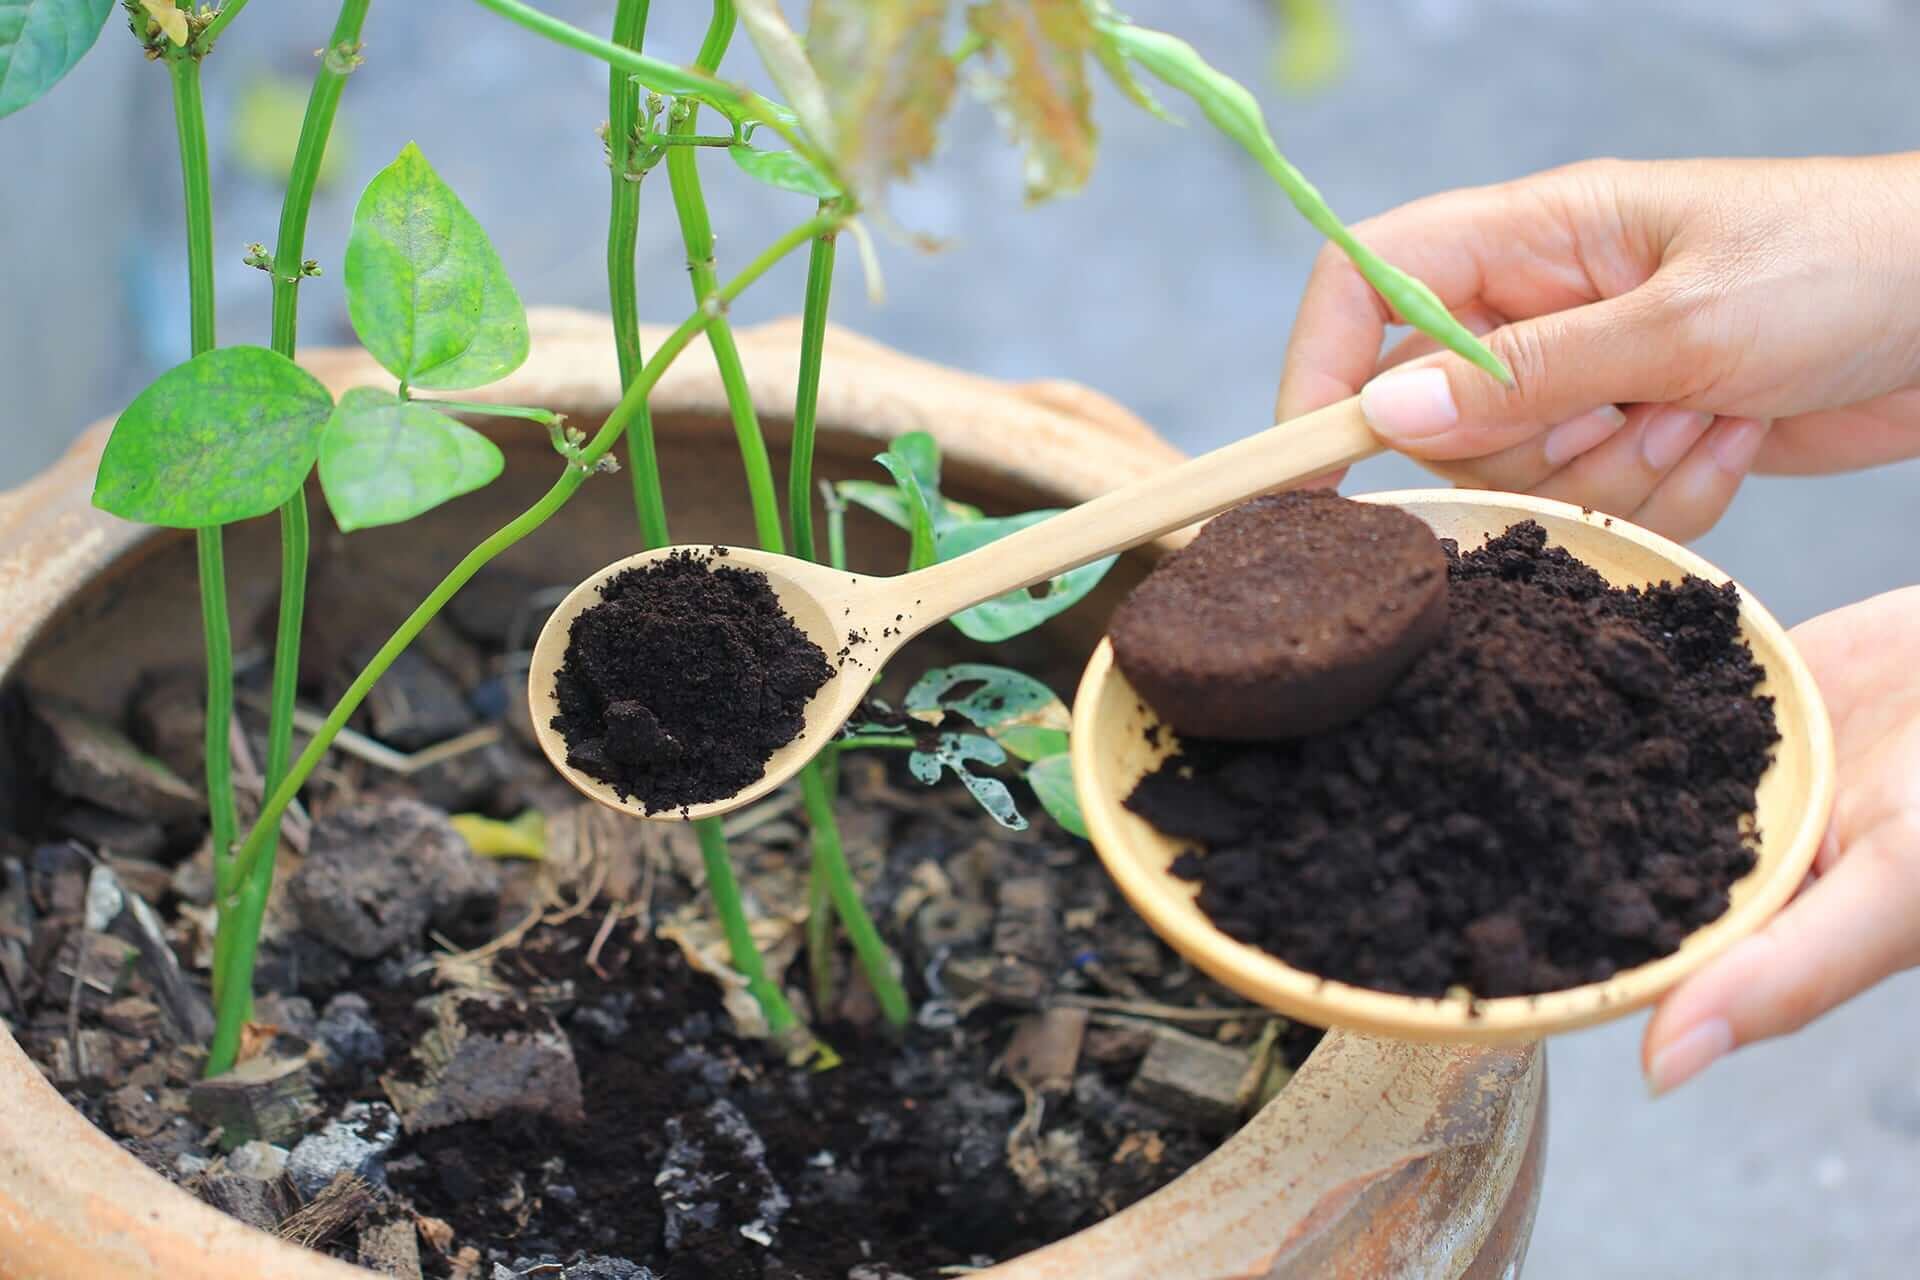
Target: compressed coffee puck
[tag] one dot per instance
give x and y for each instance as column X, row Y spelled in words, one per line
column 1286, row 616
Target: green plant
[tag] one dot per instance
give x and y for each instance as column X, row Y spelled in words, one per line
column 234, row 432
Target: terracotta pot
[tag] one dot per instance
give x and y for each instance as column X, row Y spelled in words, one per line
column 1380, row 1159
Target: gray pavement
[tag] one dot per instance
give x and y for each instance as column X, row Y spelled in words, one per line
column 1170, row 285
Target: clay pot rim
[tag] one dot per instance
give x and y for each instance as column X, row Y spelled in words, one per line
column 1367, row 1109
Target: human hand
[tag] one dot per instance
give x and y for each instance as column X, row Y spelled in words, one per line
column 1858, row 919
column 1670, row 327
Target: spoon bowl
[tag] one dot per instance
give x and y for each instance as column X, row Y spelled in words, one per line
column 834, row 608
column 1112, row 751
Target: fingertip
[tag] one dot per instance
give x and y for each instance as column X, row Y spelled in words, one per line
column 1687, row 1055
column 1410, row 406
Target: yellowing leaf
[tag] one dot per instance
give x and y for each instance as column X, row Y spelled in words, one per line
column 888, row 82
column 1043, row 92
column 523, row 837
column 168, row 18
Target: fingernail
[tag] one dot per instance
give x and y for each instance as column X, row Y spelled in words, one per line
column 1575, row 436
column 1669, row 434
column 1688, row 1056
column 1409, row 404
column 1736, row 444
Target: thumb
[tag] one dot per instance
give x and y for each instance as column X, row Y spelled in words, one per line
column 1564, row 364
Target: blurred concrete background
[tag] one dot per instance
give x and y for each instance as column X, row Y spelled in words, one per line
column 1169, row 284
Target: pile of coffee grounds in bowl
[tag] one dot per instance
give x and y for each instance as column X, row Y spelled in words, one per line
column 1560, row 787
column 684, row 679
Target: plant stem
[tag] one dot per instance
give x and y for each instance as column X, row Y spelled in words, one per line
column 243, row 901
column 623, row 237
column 514, row 530
column 545, row 417
column 688, row 140
column 733, row 919
column 690, row 206
column 663, row 76
column 806, row 396
column 836, row 525
column 696, row 230
column 819, row 931
column 867, row 945
column 806, row 405
column 190, row 122
column 228, row 12
column 856, row 741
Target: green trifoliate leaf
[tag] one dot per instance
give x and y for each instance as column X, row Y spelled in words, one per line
column 787, row 170
column 384, row 460
column 1052, row 783
column 42, row 40
column 1016, row 612
column 228, row 435
column 425, row 290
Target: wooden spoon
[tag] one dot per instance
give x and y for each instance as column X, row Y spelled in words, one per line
column 1117, row 740
column 834, row 607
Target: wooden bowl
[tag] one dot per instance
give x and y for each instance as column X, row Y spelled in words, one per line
column 1111, row 754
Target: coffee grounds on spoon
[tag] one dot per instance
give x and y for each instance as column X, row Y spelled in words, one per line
column 1558, row 789
column 684, row 679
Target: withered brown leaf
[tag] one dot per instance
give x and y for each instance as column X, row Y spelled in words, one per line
column 888, row 79
column 1043, row 92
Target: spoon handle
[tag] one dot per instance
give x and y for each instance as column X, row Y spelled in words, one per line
column 1299, row 449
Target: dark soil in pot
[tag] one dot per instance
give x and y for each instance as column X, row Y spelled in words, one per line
column 474, row 1067
column 1561, row 786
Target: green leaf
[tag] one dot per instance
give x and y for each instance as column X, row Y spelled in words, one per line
column 919, row 515
column 884, row 500
column 42, row 40
column 1044, row 94
column 1031, row 741
column 425, row 290
column 1235, row 113
column 954, row 751
column 921, row 452
column 1018, row 611
column 1052, row 783
column 787, row 170
column 228, row 435
column 989, row 695
column 384, row 459
column 888, row 83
